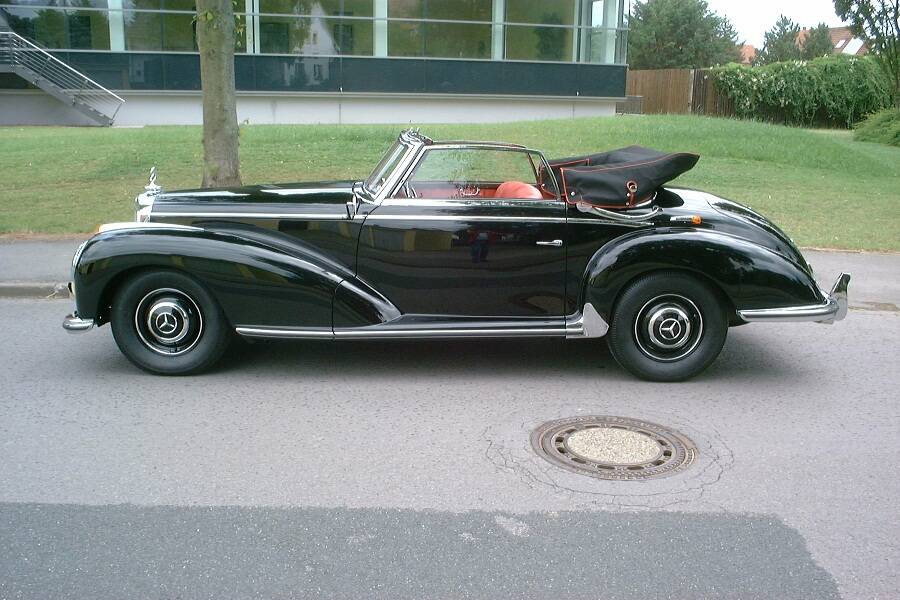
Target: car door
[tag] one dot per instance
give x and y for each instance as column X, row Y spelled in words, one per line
column 469, row 232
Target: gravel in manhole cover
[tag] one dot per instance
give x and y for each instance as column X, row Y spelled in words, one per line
column 613, row 447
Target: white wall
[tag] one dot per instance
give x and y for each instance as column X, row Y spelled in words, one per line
column 33, row 107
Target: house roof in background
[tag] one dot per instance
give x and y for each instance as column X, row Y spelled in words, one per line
column 844, row 42
column 748, row 54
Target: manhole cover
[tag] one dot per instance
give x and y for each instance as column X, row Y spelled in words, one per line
column 613, row 447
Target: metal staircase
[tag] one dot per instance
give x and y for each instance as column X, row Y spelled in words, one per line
column 37, row 66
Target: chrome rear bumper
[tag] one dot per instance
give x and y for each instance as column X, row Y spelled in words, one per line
column 833, row 309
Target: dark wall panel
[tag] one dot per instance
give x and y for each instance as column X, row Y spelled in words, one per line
column 271, row 73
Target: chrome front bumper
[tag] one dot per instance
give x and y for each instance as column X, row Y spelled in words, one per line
column 833, row 309
column 75, row 324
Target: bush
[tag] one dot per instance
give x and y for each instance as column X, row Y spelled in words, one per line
column 882, row 127
column 828, row 91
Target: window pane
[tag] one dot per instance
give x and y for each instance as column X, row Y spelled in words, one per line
column 525, row 42
column 143, row 31
column 60, row 29
column 468, row 165
column 405, row 38
column 457, row 40
column 406, row 9
column 353, row 8
column 58, row 3
column 545, row 12
column 179, row 32
column 142, row 4
column 459, row 10
column 606, row 46
column 190, row 5
column 454, row 10
column 314, row 36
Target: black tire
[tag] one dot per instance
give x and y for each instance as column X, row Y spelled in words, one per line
column 167, row 323
column 667, row 327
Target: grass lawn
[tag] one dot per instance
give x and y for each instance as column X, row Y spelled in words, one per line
column 822, row 187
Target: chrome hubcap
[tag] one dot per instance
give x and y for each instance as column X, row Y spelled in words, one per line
column 168, row 321
column 668, row 327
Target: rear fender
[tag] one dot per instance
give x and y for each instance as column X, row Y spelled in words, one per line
column 748, row 274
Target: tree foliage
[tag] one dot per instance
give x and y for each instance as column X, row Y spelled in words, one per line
column 673, row 34
column 817, row 42
column 882, row 127
column 780, row 43
column 215, row 39
column 878, row 23
column 830, row 91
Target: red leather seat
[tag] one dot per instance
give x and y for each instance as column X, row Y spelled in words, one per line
column 517, row 189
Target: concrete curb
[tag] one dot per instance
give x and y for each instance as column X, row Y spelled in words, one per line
column 33, row 289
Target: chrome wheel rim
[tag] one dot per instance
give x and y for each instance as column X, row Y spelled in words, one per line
column 168, row 321
column 668, row 327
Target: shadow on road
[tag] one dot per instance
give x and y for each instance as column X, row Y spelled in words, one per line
column 126, row 551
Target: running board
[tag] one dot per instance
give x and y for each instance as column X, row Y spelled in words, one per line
column 585, row 324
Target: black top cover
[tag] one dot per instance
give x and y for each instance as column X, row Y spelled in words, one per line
column 620, row 178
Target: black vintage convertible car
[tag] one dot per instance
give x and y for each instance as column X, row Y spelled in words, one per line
column 449, row 240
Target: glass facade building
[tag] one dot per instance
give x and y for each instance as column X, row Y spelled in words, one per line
column 588, row 31
column 519, row 49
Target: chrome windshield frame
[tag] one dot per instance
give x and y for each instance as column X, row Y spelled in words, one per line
column 413, row 142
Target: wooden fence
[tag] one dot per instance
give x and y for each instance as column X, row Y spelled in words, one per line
column 678, row 92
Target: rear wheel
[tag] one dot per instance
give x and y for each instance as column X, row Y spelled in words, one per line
column 667, row 327
column 166, row 322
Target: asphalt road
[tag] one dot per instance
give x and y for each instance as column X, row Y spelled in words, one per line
column 403, row 470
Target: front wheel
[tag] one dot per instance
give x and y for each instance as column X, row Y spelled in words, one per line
column 667, row 327
column 167, row 323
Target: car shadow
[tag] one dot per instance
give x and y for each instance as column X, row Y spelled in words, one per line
column 743, row 359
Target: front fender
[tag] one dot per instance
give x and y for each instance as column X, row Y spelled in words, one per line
column 750, row 275
column 258, row 277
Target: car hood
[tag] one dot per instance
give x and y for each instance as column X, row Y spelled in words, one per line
column 732, row 218
column 310, row 192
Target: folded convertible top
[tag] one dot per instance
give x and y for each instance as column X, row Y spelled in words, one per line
column 620, row 178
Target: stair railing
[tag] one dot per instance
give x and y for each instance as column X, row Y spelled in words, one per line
column 22, row 54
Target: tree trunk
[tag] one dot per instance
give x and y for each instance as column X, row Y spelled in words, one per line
column 215, row 40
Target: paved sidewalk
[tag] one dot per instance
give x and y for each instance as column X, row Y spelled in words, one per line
column 41, row 269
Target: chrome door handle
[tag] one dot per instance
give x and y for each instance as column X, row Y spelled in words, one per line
column 556, row 243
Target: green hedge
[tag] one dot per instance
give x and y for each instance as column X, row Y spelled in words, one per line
column 882, row 127
column 828, row 91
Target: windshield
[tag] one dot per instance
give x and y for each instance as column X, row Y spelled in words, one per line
column 384, row 168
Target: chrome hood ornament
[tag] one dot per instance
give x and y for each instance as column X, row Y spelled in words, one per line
column 143, row 204
column 152, row 187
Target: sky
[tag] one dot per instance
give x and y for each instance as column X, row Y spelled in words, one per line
column 752, row 18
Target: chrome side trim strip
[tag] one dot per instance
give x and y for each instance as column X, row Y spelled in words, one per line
column 303, row 191
column 833, row 309
column 586, row 324
column 209, row 194
column 292, row 333
column 377, row 217
column 144, row 225
column 381, row 333
column 250, row 215
column 375, row 332
column 472, row 202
